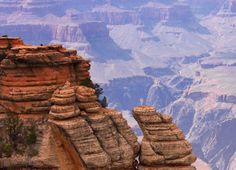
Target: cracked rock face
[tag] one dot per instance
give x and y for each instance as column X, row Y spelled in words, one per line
column 101, row 137
column 164, row 145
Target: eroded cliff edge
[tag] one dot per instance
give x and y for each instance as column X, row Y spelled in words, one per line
column 43, row 84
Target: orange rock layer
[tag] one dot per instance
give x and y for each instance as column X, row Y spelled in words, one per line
column 6, row 42
column 78, row 134
column 30, row 74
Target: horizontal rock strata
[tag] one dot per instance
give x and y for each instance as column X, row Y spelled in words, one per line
column 44, row 83
column 64, row 103
column 101, row 136
column 30, row 74
column 6, row 42
column 87, row 100
column 164, row 146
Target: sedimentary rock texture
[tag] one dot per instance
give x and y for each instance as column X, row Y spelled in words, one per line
column 87, row 100
column 44, row 83
column 64, row 103
column 6, row 42
column 30, row 74
column 164, row 146
column 123, row 128
column 46, row 157
column 101, row 137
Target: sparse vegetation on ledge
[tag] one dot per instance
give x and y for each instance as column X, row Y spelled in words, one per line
column 18, row 138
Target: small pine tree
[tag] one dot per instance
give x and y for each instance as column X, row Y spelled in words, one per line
column 98, row 90
column 7, row 149
column 103, row 102
column 18, row 137
column 14, row 128
column 31, row 136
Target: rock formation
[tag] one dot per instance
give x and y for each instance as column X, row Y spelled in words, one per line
column 101, row 137
column 6, row 42
column 228, row 8
column 64, row 103
column 30, row 74
column 88, row 101
column 75, row 132
column 163, row 146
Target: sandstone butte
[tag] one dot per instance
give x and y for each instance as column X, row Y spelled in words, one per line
column 43, row 83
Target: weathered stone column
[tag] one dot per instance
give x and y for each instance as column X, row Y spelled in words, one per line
column 163, row 146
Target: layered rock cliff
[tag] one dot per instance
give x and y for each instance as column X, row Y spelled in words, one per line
column 30, row 74
column 185, row 52
column 164, row 146
column 44, row 83
column 101, row 137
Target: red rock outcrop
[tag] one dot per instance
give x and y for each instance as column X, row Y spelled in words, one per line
column 87, row 100
column 163, row 146
column 101, row 137
column 30, row 74
column 43, row 83
column 6, row 42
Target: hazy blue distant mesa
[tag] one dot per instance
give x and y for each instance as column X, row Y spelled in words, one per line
column 128, row 91
column 158, row 72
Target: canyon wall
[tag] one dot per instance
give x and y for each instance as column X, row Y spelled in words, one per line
column 30, row 74
column 44, row 84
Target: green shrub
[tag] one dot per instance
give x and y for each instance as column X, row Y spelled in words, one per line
column 31, row 136
column 33, row 152
column 103, row 102
column 14, row 128
column 19, row 137
column 7, row 149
